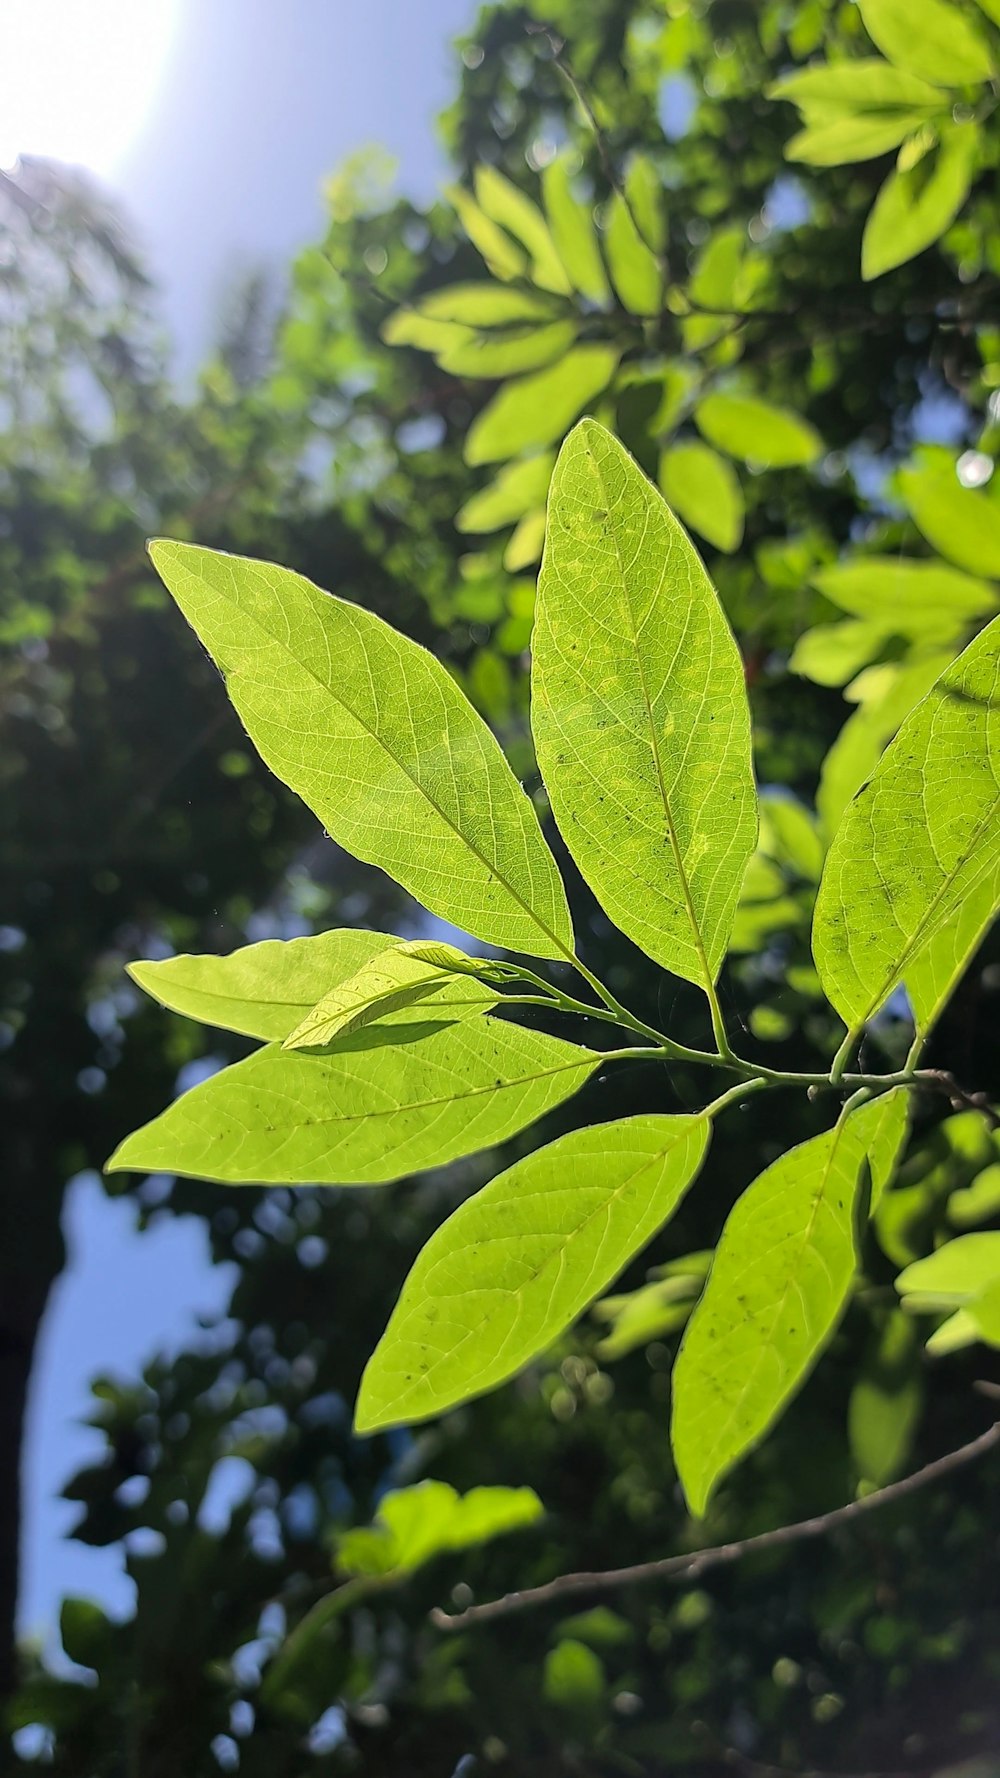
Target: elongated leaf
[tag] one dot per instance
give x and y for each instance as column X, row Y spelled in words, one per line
column 502, row 257
column 837, row 142
column 639, row 710
column 869, row 88
column 831, row 654
column 704, row 490
column 635, row 270
column 393, row 980
column 386, row 1101
column 537, row 410
column 515, row 491
column 508, row 353
column 933, row 39
column 778, row 1285
column 573, row 231
column 374, row 735
column 922, row 599
column 484, row 306
column 525, row 545
column 935, row 972
column 416, row 1524
column 962, row 523
column 857, row 750
column 519, row 1261
column 756, row 432
column 265, row 990
column 916, row 205
column 922, row 835
column 884, row 1408
column 515, row 212
column 954, row 1275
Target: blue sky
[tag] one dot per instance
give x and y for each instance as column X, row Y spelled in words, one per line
column 254, row 105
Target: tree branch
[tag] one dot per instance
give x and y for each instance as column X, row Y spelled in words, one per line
column 939, row 1080
column 695, row 1562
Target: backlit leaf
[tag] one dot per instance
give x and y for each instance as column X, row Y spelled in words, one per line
column 840, row 140
column 526, row 542
column 928, row 37
column 518, row 488
column 537, row 410
column 508, row 353
column 386, row 1101
column 502, row 257
column 935, row 972
column 954, row 1275
column 635, row 270
column 517, row 1263
column 863, row 88
column 374, row 735
column 639, row 710
column 413, row 1525
column 484, row 305
column 572, row 226
column 515, row 212
column 756, row 432
column 857, row 750
column 704, row 491
column 963, row 524
column 391, row 981
column 831, row 654
column 922, row 836
column 922, row 599
column 914, row 207
column 777, row 1288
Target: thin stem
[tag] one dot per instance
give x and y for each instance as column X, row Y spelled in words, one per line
column 739, row 1091
column 719, row 1024
column 840, row 1060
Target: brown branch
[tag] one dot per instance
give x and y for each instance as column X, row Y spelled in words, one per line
column 939, row 1080
column 695, row 1562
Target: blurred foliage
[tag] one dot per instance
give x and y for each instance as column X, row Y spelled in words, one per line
column 136, row 820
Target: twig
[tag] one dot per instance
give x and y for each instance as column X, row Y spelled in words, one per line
column 696, row 1562
column 940, row 1081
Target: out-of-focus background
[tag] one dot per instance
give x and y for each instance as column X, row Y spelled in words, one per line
column 207, row 215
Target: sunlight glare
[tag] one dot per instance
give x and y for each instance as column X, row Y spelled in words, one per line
column 77, row 77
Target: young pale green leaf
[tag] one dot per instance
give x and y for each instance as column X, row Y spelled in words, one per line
column 515, row 212
column 837, row 142
column 963, row 524
column 416, row 1524
column 789, row 833
column 374, row 735
column 954, row 1275
column 518, row 489
column 756, row 432
column 931, row 38
column 887, row 1126
column 935, row 972
column 502, row 257
column 857, row 750
column 537, row 410
column 484, row 306
column 778, row 1285
column 991, row 9
column 831, row 654
column 922, row 836
column 508, row 353
column 916, row 205
column 573, row 231
column 635, row 270
column 855, row 89
column 522, row 1259
column 526, row 542
column 265, row 990
column 922, row 599
column 391, row 981
column 639, row 710
column 386, row 1101
column 705, row 492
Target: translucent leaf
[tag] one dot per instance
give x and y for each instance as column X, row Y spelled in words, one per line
column 914, row 207
column 502, row 257
column 705, row 492
column 393, row 980
column 647, row 1314
column 537, row 410
column 385, row 1102
column 635, row 270
column 573, row 1679
column 525, row 545
column 953, row 1335
column 922, row 835
column 789, row 833
column 573, row 231
column 991, row 9
column 516, row 490
column 374, row 735
column 962, row 523
column 756, row 432
column 777, row 1288
column 264, row 990
column 413, row 1525
column 857, row 88
column 978, row 1202
column 481, row 305
column 517, row 1263
column 644, row 190
column 935, row 972
column 857, row 750
column 932, row 39
column 639, row 710
column 506, row 354
column 953, row 1276
column 921, row 599
column 884, row 1408
column 718, row 283
column 831, row 654
column 515, row 212
column 839, row 141
column 984, row 1313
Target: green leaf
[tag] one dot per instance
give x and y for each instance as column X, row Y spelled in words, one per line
column 481, row 305
column 265, row 990
column 922, row 599
column 864, row 88
column 781, row 1276
column 639, row 710
column 914, row 207
column 573, row 231
column 756, row 432
column 704, row 490
column 857, row 749
column 506, row 354
column 537, row 410
column 935, row 972
column 991, row 9
column 573, row 1679
column 647, row 1314
column 831, row 654
column 888, row 1122
column 839, row 141
column 953, row 1276
column 978, row 1202
column 503, row 259
column 514, row 211
column 922, row 835
column 962, row 523
column 884, row 1408
column 984, row 1312
column 789, row 834
column 385, row 1102
column 393, row 980
column 413, row 1525
column 517, row 1263
column 932, row 39
column 525, row 545
column 635, row 270
column 516, row 490
column 373, row 734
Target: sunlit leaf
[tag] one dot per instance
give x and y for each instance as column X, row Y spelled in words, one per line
column 374, row 735
column 265, row 990
column 777, row 1288
column 704, row 491
column 914, row 207
column 485, row 305
column 526, row 541
column 922, row 599
column 516, row 490
column 756, row 432
column 502, row 257
column 639, row 710
column 573, row 1679
column 962, row 523
column 954, row 1275
column 839, row 141
column 934, row 973
column 514, row 211
column 931, row 38
column 514, row 1265
column 858, row 748
column 921, row 837
column 884, row 1408
column 391, row 981
column 537, row 410
column 788, row 832
column 413, row 1525
column 831, row 654
column 508, row 353
column 386, row 1101
column 867, row 87
column 573, row 231
column 631, row 251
